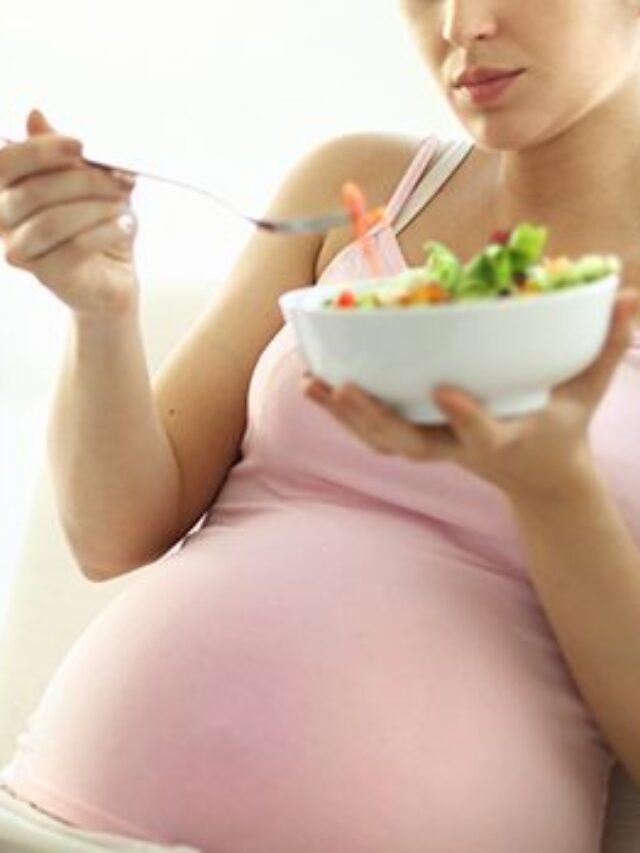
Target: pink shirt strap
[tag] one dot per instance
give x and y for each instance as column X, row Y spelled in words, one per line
column 411, row 177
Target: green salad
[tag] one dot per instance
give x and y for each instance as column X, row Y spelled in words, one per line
column 512, row 264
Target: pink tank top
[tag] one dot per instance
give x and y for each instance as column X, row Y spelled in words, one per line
column 347, row 657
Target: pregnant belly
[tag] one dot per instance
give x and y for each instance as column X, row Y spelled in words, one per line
column 254, row 694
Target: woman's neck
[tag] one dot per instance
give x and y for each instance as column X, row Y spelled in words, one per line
column 586, row 180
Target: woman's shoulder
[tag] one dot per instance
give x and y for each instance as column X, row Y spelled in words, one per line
column 376, row 160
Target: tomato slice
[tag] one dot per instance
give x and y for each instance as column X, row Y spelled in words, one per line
column 346, row 299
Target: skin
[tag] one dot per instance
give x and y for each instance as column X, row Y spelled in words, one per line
column 557, row 119
column 69, row 224
column 559, row 148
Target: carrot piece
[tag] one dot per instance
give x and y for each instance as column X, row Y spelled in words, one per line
column 376, row 216
column 353, row 200
column 355, row 204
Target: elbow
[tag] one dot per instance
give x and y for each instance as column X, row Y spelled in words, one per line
column 98, row 575
column 98, row 571
column 633, row 768
column 117, row 555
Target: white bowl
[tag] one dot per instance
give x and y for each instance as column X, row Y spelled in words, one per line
column 509, row 352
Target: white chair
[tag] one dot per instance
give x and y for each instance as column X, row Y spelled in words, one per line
column 52, row 602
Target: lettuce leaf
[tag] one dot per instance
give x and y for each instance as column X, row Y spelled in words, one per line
column 491, row 271
column 526, row 245
column 443, row 266
column 502, row 265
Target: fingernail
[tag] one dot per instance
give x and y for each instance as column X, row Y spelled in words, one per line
column 126, row 223
column 321, row 386
column 126, row 179
column 317, row 391
column 354, row 391
column 71, row 146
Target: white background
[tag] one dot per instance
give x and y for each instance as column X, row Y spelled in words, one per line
column 227, row 94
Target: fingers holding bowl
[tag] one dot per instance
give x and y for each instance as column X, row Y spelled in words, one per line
column 379, row 425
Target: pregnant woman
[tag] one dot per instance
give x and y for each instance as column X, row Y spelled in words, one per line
column 384, row 638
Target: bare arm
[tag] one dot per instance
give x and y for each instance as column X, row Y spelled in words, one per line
column 586, row 571
column 114, row 472
column 135, row 460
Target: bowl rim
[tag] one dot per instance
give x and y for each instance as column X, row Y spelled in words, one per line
column 293, row 299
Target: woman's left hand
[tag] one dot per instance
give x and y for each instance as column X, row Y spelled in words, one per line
column 526, row 456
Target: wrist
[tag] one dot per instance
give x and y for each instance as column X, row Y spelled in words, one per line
column 118, row 308
column 94, row 322
column 568, row 485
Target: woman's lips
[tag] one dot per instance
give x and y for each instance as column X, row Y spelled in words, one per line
column 490, row 90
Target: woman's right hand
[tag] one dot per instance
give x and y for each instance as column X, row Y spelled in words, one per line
column 68, row 223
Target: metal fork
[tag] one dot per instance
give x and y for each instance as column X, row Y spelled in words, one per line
column 294, row 225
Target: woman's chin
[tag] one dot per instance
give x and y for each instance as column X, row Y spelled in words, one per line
column 492, row 133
